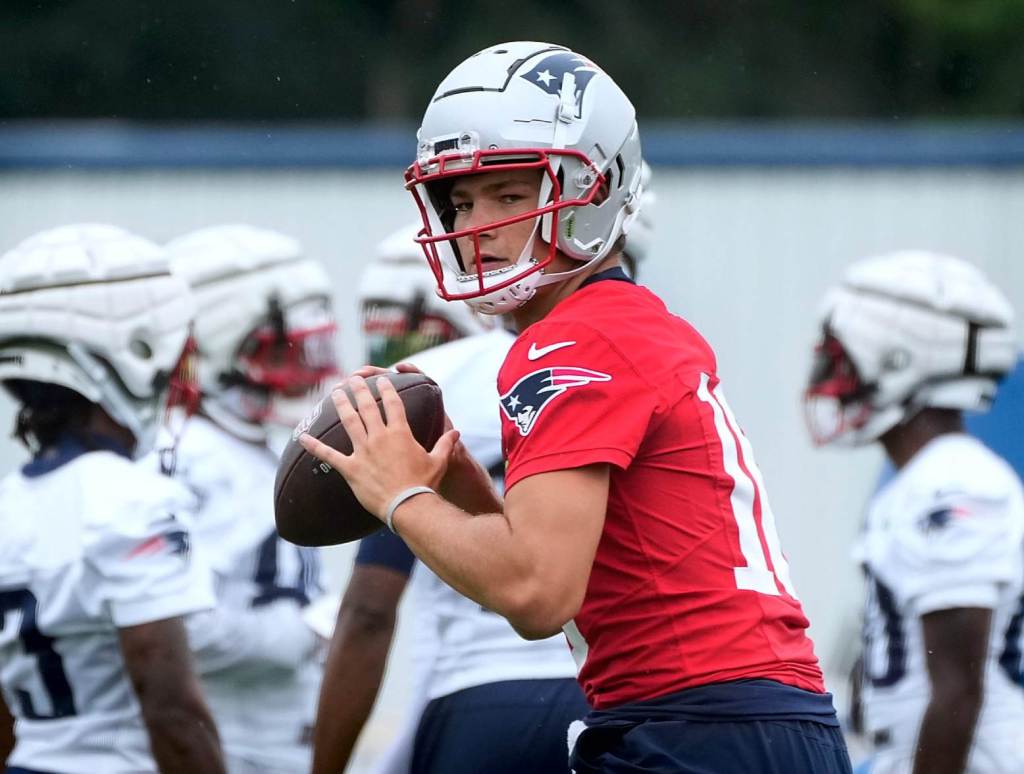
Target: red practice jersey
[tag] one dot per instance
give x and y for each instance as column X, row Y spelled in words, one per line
column 689, row 585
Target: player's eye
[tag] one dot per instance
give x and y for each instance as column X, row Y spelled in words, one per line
column 462, row 207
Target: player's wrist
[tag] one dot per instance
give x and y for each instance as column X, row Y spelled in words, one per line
column 399, row 500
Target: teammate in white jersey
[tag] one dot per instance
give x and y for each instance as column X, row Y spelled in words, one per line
column 910, row 341
column 483, row 698
column 95, row 571
column 265, row 337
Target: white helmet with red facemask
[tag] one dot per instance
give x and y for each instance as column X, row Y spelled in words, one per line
column 903, row 332
column 400, row 309
column 94, row 309
column 264, row 328
column 527, row 105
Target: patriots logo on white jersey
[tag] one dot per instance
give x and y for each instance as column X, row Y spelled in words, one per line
column 526, row 400
column 174, row 541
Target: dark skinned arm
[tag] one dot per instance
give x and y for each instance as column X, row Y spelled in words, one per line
column 956, row 648
column 6, row 731
column 182, row 733
column 355, row 663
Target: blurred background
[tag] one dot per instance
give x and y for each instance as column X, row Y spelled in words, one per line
column 786, row 138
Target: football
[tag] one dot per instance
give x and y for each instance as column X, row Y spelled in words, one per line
column 313, row 504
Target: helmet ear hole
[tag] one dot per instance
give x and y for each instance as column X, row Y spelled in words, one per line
column 140, row 348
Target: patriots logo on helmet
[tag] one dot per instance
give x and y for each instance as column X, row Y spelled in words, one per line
column 548, row 74
column 529, row 396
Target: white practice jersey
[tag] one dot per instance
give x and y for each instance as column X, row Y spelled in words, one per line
column 474, row 645
column 459, row 644
column 254, row 652
column 89, row 546
column 947, row 532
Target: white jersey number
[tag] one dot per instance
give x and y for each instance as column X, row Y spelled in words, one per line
column 748, row 493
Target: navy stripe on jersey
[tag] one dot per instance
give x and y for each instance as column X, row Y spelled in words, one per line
column 386, row 549
column 67, row 449
column 267, row 574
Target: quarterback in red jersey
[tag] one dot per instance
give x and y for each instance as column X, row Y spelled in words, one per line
column 635, row 518
column 688, row 585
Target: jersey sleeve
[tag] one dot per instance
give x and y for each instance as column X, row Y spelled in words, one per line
column 140, row 557
column 958, row 551
column 228, row 637
column 386, row 549
column 582, row 403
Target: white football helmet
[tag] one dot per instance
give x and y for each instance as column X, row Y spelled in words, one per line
column 400, row 308
column 902, row 332
column 96, row 310
column 265, row 331
column 527, row 105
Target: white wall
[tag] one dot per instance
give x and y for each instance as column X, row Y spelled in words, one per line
column 744, row 254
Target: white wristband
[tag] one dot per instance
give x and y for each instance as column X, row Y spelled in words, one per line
column 400, row 498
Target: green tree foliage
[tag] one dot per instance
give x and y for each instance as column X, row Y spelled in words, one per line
column 342, row 59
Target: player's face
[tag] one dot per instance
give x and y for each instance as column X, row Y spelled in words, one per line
column 490, row 197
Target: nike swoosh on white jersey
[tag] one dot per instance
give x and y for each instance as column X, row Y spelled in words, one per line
column 536, row 352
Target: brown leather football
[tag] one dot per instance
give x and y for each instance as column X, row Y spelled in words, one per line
column 313, row 504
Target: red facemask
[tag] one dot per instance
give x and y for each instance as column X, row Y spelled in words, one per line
column 424, row 176
column 834, row 402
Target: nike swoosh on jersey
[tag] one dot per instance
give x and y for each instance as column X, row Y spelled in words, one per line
column 536, row 353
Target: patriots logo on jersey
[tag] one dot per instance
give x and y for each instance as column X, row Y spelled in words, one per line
column 548, row 74
column 172, row 542
column 940, row 517
column 528, row 397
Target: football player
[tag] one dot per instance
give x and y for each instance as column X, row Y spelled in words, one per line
column 911, row 340
column 484, row 698
column 95, row 572
column 635, row 518
column 265, row 337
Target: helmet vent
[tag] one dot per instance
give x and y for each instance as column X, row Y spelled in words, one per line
column 620, row 166
column 971, row 355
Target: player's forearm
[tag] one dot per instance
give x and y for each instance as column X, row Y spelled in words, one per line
column 482, row 558
column 351, row 682
column 6, row 731
column 947, row 730
column 183, row 738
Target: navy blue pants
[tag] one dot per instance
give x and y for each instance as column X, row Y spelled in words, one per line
column 516, row 726
column 740, row 727
column 19, row 770
column 717, row 747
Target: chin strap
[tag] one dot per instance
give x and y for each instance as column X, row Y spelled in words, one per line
column 550, row 279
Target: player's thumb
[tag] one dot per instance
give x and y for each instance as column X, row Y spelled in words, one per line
column 442, row 450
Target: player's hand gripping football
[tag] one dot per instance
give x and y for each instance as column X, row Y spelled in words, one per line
column 386, row 459
column 367, row 371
